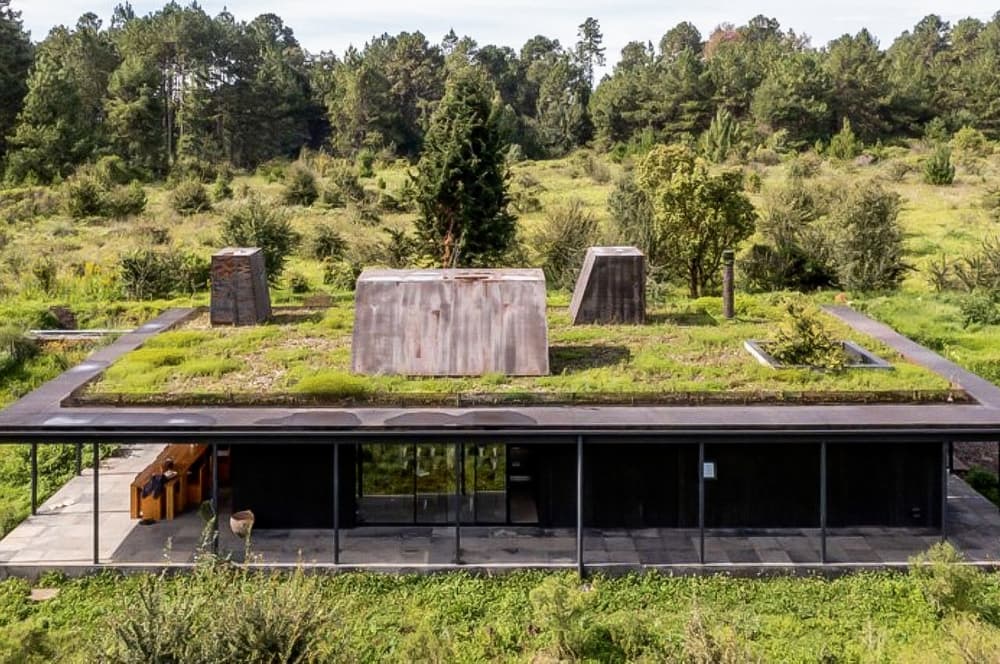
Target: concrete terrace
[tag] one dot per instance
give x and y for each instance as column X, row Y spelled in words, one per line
column 60, row 536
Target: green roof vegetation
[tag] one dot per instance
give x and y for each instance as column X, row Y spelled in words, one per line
column 687, row 353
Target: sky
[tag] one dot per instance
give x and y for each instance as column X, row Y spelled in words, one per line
column 334, row 26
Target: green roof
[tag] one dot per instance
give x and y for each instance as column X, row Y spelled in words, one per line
column 686, row 353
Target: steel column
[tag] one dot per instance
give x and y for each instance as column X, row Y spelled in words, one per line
column 458, row 503
column 79, row 458
column 701, row 503
column 97, row 502
column 336, row 503
column 951, row 456
column 944, row 492
column 822, row 502
column 34, row 478
column 215, row 497
column 580, row 570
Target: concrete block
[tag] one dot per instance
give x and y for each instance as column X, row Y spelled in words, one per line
column 239, row 287
column 450, row 323
column 611, row 287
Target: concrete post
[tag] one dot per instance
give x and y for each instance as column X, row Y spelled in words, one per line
column 728, row 285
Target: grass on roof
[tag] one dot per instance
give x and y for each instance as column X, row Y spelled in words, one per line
column 686, row 354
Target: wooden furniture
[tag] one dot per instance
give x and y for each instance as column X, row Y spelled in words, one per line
column 188, row 487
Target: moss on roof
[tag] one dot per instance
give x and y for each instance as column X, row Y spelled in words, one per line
column 686, row 354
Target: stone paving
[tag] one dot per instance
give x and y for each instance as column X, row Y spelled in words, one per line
column 60, row 536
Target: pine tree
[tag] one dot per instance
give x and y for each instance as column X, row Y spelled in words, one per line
column 589, row 52
column 461, row 179
column 720, row 138
column 15, row 59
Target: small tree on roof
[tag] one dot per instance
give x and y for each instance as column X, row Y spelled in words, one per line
column 461, row 180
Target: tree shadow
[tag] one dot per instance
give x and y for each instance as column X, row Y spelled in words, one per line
column 573, row 358
column 700, row 318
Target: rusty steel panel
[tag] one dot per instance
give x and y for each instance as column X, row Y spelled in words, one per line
column 239, row 287
column 450, row 323
column 611, row 287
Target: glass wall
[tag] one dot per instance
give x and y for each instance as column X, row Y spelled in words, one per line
column 415, row 484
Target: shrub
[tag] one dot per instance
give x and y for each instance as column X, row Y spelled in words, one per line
column 45, row 271
column 83, row 196
column 985, row 483
column 366, row 162
column 596, row 169
column 334, row 384
column 703, row 646
column 112, row 170
column 845, row 145
column 938, row 169
column 298, row 283
column 559, row 610
column 121, row 202
column 991, row 202
column 341, row 275
column 28, row 202
column 980, row 308
column 806, row 165
column 148, row 274
column 897, row 169
column 194, row 168
column 563, row 240
column 632, row 213
column 257, row 223
column 326, row 243
column 866, row 238
column 15, row 347
column 970, row 143
column 803, row 339
column 223, row 187
column 190, row 197
column 300, row 186
column 719, row 140
column 948, row 585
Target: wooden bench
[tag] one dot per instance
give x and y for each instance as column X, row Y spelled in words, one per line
column 188, row 487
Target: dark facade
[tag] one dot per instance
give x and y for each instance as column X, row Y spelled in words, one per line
column 625, row 485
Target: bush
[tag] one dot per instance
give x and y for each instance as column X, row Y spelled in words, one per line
column 223, row 187
column 563, row 240
column 112, row 170
column 257, row 223
column 632, row 213
column 985, row 483
column 326, row 243
column 897, row 169
column 190, row 197
column 938, row 169
column 803, row 339
column 845, row 145
column 950, row 586
column 991, row 202
column 970, row 143
column 806, row 165
column 298, row 283
column 596, row 170
column 559, row 610
column 193, row 168
column 866, row 239
column 122, row 202
column 300, row 186
column 15, row 348
column 27, row 203
column 341, row 275
column 83, row 196
column 366, row 162
column 148, row 274
column 980, row 308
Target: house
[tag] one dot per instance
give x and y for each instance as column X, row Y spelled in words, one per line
column 351, row 419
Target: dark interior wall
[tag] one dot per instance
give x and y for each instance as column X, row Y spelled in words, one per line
column 768, row 485
column 640, row 486
column 882, row 484
column 291, row 485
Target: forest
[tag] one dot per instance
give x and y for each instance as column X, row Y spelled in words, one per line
column 177, row 88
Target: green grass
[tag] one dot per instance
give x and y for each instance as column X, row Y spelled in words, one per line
column 865, row 617
column 687, row 353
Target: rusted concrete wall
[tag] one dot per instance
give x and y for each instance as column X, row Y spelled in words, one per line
column 239, row 287
column 450, row 323
column 611, row 287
